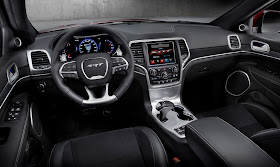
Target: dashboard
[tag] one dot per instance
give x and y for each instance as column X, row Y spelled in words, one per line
column 88, row 44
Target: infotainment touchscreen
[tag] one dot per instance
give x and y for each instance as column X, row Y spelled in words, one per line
column 161, row 53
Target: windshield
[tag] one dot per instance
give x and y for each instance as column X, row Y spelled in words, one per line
column 46, row 14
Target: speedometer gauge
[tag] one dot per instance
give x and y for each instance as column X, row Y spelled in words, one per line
column 88, row 46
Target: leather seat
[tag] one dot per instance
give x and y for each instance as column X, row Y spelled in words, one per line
column 249, row 118
column 137, row 147
column 257, row 122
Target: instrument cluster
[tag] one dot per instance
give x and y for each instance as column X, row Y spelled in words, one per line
column 88, row 44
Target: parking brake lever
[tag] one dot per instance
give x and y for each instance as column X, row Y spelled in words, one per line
column 164, row 107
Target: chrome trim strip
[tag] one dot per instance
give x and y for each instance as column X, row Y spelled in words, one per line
column 30, row 59
column 139, row 73
column 210, row 56
column 229, row 53
column 20, row 79
column 237, row 71
column 12, row 89
column 229, row 44
column 32, row 123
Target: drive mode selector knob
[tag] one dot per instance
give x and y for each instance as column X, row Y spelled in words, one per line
column 175, row 69
column 164, row 75
column 153, row 72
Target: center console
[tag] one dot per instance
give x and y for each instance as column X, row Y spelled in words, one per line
column 161, row 61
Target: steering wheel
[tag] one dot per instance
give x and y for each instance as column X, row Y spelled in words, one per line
column 94, row 70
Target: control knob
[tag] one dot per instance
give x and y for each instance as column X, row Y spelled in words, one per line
column 175, row 69
column 164, row 75
column 153, row 72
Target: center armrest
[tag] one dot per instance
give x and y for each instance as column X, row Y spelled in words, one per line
column 217, row 143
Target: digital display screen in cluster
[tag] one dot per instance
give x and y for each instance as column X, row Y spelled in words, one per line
column 161, row 53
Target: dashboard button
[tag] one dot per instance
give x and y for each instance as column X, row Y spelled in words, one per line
column 175, row 69
column 164, row 75
column 153, row 72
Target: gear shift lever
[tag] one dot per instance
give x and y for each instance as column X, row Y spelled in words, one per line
column 164, row 107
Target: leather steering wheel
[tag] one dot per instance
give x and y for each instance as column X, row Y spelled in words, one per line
column 94, row 70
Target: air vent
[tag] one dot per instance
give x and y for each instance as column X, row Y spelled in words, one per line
column 137, row 51
column 234, row 42
column 183, row 49
column 39, row 60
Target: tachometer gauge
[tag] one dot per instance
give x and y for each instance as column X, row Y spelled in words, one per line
column 108, row 46
column 88, row 46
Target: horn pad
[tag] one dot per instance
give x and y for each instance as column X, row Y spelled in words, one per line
column 94, row 69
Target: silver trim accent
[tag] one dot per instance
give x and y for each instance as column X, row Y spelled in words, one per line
column 180, row 60
column 15, row 76
column 260, row 49
column 169, row 94
column 238, row 71
column 229, row 44
column 30, row 59
column 97, row 76
column 66, row 72
column 22, row 78
column 19, row 41
column 95, row 101
column 242, row 29
column 32, row 123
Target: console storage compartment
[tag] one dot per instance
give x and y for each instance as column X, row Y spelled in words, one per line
column 217, row 143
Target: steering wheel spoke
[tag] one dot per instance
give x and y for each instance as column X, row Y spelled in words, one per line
column 69, row 70
column 94, row 99
column 119, row 64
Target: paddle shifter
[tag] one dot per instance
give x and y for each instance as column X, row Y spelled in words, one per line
column 164, row 107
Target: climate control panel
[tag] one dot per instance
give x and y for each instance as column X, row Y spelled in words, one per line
column 164, row 75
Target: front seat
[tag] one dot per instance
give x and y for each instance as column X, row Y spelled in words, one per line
column 249, row 118
column 131, row 147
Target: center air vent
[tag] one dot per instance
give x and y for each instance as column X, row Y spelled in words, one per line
column 39, row 59
column 183, row 49
column 138, row 54
column 234, row 42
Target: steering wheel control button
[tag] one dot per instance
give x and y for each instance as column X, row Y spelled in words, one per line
column 119, row 64
column 69, row 67
column 69, row 70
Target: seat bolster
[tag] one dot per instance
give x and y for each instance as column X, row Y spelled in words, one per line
column 269, row 140
column 159, row 156
column 266, row 112
column 57, row 154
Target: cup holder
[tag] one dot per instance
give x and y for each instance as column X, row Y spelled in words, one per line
column 4, row 134
column 182, row 114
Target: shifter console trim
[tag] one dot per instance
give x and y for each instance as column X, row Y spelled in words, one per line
column 171, row 94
